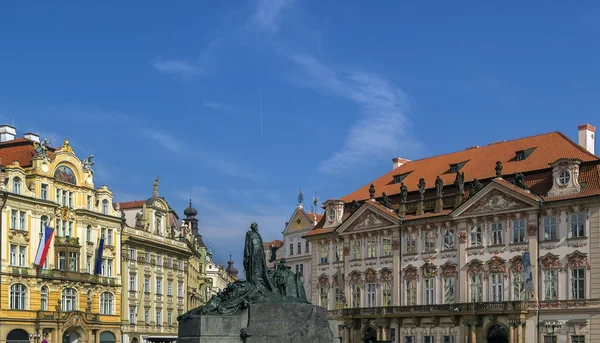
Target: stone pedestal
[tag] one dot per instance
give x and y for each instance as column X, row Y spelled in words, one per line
column 420, row 208
column 439, row 204
column 260, row 323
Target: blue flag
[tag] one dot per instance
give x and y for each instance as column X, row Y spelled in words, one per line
column 527, row 275
column 98, row 268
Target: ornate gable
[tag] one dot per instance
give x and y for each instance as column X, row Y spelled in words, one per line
column 495, row 201
column 367, row 220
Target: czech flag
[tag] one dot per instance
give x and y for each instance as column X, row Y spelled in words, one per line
column 42, row 252
column 98, row 268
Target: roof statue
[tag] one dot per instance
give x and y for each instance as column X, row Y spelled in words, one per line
column 300, row 199
column 41, row 149
column 460, row 183
column 372, row 191
column 476, row 186
column 155, row 188
column 259, row 286
column 386, row 201
column 87, row 164
column 520, row 180
column 499, row 168
column 421, row 186
column 439, row 186
column 403, row 192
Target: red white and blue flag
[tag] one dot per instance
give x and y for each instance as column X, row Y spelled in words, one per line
column 42, row 252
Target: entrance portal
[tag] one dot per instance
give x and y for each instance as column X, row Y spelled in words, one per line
column 70, row 336
column 497, row 334
column 370, row 335
column 107, row 337
column 17, row 336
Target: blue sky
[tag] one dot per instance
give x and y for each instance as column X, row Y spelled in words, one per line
column 174, row 90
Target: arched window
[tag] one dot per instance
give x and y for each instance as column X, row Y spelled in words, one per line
column 18, row 297
column 16, row 185
column 107, row 337
column 17, row 336
column 106, row 303
column 44, row 298
column 104, row 206
column 69, row 300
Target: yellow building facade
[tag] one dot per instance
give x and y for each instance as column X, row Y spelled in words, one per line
column 63, row 300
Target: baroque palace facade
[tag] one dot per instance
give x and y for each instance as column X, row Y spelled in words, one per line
column 165, row 268
column 499, row 243
column 63, row 300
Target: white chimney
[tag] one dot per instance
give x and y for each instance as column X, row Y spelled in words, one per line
column 398, row 161
column 7, row 133
column 586, row 137
column 32, row 137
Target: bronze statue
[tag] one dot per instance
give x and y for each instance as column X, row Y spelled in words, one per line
column 403, row 192
column 460, row 183
column 421, row 186
column 439, row 186
column 255, row 266
column 273, row 256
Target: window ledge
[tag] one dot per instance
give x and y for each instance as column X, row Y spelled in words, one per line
column 450, row 250
column 519, row 243
column 577, row 238
column 556, row 240
column 496, row 245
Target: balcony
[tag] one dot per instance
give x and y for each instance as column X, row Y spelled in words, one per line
column 428, row 310
column 75, row 276
column 67, row 241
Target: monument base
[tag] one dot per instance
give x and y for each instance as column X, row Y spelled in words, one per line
column 260, row 323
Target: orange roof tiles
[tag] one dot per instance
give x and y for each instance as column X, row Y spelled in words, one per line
column 19, row 149
column 130, row 205
column 276, row 243
column 549, row 148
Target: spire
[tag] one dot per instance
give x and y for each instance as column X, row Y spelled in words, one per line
column 230, row 268
column 155, row 188
column 300, row 199
column 315, row 202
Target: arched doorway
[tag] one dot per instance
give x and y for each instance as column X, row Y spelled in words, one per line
column 17, row 336
column 70, row 336
column 107, row 337
column 497, row 334
column 134, row 340
column 370, row 335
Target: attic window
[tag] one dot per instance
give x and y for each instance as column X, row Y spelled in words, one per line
column 523, row 154
column 400, row 178
column 456, row 167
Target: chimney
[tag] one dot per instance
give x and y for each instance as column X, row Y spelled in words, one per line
column 7, row 133
column 586, row 137
column 398, row 161
column 32, row 137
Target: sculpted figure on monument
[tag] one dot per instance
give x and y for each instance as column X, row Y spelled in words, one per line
column 460, row 182
column 439, row 186
column 403, row 192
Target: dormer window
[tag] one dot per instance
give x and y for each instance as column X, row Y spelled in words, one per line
column 564, row 177
column 520, row 155
column 16, row 185
column 104, row 206
column 399, row 178
column 523, row 154
column 331, row 214
column 456, row 167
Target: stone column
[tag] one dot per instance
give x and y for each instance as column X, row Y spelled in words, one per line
column 521, row 333
column 512, row 333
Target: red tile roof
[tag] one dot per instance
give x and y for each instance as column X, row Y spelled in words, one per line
column 549, row 148
column 21, row 150
column 130, row 205
column 276, row 243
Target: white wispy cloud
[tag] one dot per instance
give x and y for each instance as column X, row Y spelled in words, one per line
column 382, row 129
column 167, row 141
column 219, row 106
column 174, row 67
column 267, row 14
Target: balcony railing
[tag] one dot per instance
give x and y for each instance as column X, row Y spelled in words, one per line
column 74, row 276
column 72, row 241
column 447, row 309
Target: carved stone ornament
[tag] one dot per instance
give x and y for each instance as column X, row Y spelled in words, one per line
column 355, row 278
column 369, row 220
column 386, row 274
column 475, row 267
column 476, row 186
column 346, row 251
column 411, row 273
column 532, row 230
column 459, row 182
column 462, row 236
column 496, row 201
column 578, row 259
column 497, row 265
column 421, row 186
column 370, row 275
column 403, row 192
column 449, row 269
column 18, row 236
column 372, row 191
column 429, row 270
column 323, row 281
column 551, row 261
column 396, row 244
column 516, row 263
column 499, row 168
column 386, row 201
column 338, row 280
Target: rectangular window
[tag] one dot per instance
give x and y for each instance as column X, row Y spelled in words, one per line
column 386, row 293
column 476, row 236
column 323, row 297
column 147, row 285
column 371, row 248
column 475, row 287
column 22, row 256
column 180, row 289
column 169, row 288
column 577, row 339
column 324, row 253
column 449, row 290
column 64, row 198
column 71, row 199
column 299, row 248
column 158, row 285
column 58, row 196
column 62, row 260
column 429, row 291
column 88, row 233
column 577, row 225
column 356, row 250
column 411, row 292
column 170, row 318
column 132, row 315
column 291, row 249
column 386, row 246
column 306, row 247
column 497, row 280
column 147, row 257
column 180, row 264
column 44, row 192
column 549, row 339
column 88, row 264
column 497, row 234
column 132, row 254
column 518, row 231
column 300, row 269
column 409, row 339
column 339, row 252
column 355, row 289
column 550, row 284
column 578, row 283
column 448, row 239
column 73, row 257
column 22, row 221
column 14, row 250
column 14, row 218
column 550, row 228
column 339, row 298
column 429, row 241
column 427, row 339
column 370, row 295
column 159, row 260
column 89, row 202
column 133, row 282
column 447, row 339
column 110, row 237
column 518, row 287
column 70, row 232
column 411, row 244
column 147, row 316
column 170, row 262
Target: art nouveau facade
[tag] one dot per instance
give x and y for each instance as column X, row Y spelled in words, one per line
column 513, row 258
column 62, row 300
column 156, row 256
